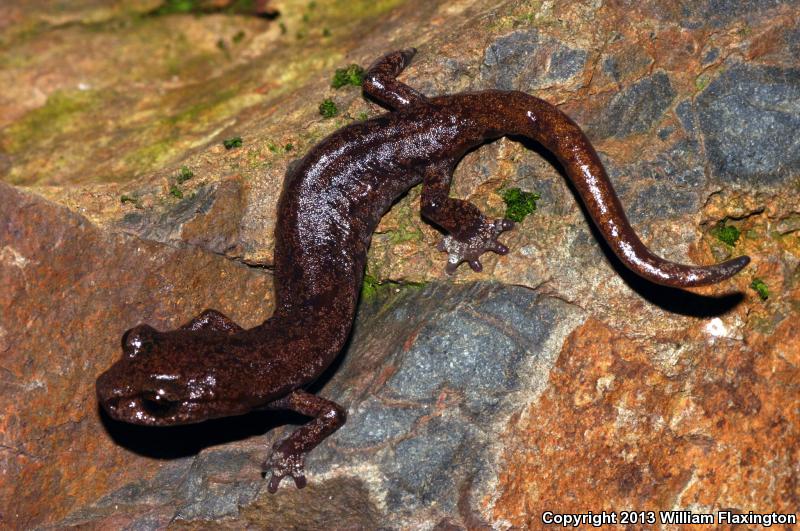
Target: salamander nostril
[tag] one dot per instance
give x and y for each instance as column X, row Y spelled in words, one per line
column 111, row 405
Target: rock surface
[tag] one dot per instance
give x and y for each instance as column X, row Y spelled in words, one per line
column 69, row 291
column 554, row 380
column 748, row 116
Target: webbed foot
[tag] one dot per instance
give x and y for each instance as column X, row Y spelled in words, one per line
column 471, row 248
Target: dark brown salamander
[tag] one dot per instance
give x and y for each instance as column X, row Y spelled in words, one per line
column 331, row 203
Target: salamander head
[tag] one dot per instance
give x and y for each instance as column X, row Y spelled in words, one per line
column 168, row 378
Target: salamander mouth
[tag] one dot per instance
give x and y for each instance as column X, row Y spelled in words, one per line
column 146, row 410
column 158, row 406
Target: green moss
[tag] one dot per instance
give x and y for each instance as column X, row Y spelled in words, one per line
column 369, row 288
column 199, row 7
column 350, row 75
column 405, row 234
column 223, row 48
column 354, row 10
column 127, row 199
column 165, row 139
column 275, row 148
column 238, row 37
column 159, row 127
column 328, row 108
column 362, row 116
column 231, row 143
column 184, row 175
column 373, row 288
column 518, row 203
column 526, row 18
column 726, row 233
column 152, row 155
column 63, row 112
column 170, row 7
column 406, row 218
column 760, row 287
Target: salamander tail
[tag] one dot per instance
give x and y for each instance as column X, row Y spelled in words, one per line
column 529, row 116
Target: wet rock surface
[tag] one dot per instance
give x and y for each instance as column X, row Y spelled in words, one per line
column 554, row 380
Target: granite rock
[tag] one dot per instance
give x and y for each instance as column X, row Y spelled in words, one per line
column 669, row 186
column 208, row 218
column 445, row 369
column 750, row 119
column 635, row 109
column 633, row 444
column 717, row 13
column 526, row 60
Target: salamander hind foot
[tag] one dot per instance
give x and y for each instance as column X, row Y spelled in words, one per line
column 470, row 248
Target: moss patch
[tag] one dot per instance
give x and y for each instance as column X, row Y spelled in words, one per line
column 350, row 10
column 351, row 75
column 405, row 234
column 231, row 143
column 170, row 89
column 369, row 288
column 152, row 155
column 328, row 109
column 209, row 106
column 701, row 82
column 372, row 288
column 201, row 7
column 727, row 234
column 184, row 175
column 518, row 203
column 64, row 112
column 760, row 287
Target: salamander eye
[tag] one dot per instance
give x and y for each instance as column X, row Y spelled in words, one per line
column 138, row 340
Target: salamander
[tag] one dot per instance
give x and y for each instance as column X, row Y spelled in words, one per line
column 331, row 202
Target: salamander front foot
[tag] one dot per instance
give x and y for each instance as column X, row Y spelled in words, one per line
column 469, row 249
column 282, row 464
column 288, row 456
